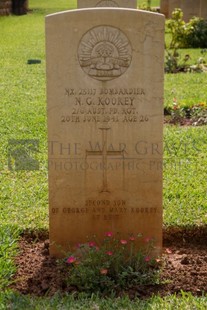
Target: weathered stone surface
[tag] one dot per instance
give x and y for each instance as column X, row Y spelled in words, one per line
column 105, row 119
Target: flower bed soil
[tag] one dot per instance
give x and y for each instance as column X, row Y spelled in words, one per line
column 183, row 121
column 184, row 266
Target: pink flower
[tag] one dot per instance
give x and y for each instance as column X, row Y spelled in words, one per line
column 91, row 244
column 109, row 253
column 147, row 259
column 109, row 234
column 168, row 251
column 123, row 241
column 103, row 271
column 132, row 238
column 71, row 260
column 147, row 239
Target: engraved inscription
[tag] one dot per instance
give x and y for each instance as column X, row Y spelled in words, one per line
column 104, row 153
column 105, row 209
column 105, row 203
column 136, row 91
column 107, row 3
column 104, row 53
column 105, row 105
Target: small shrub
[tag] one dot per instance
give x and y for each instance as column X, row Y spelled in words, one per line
column 186, row 35
column 176, row 28
column 174, row 63
column 196, row 33
column 114, row 264
column 146, row 6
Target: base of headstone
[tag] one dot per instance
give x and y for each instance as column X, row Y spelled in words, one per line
column 5, row 7
column 20, row 7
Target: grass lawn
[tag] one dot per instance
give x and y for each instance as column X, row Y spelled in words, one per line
column 24, row 194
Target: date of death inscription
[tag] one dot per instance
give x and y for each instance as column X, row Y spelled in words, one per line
column 104, row 210
column 104, row 105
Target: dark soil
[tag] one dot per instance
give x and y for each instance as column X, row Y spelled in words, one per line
column 184, row 121
column 184, row 266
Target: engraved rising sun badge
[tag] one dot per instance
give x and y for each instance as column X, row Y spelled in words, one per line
column 107, row 3
column 104, row 53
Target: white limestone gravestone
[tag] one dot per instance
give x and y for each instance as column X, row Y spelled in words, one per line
column 105, row 119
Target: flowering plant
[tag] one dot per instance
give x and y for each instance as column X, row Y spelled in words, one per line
column 116, row 263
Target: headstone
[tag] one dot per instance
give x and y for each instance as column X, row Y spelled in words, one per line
column 164, row 7
column 190, row 8
column 5, row 7
column 19, row 7
column 203, row 9
column 107, row 3
column 105, row 120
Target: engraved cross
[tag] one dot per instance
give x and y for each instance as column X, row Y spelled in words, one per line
column 104, row 153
